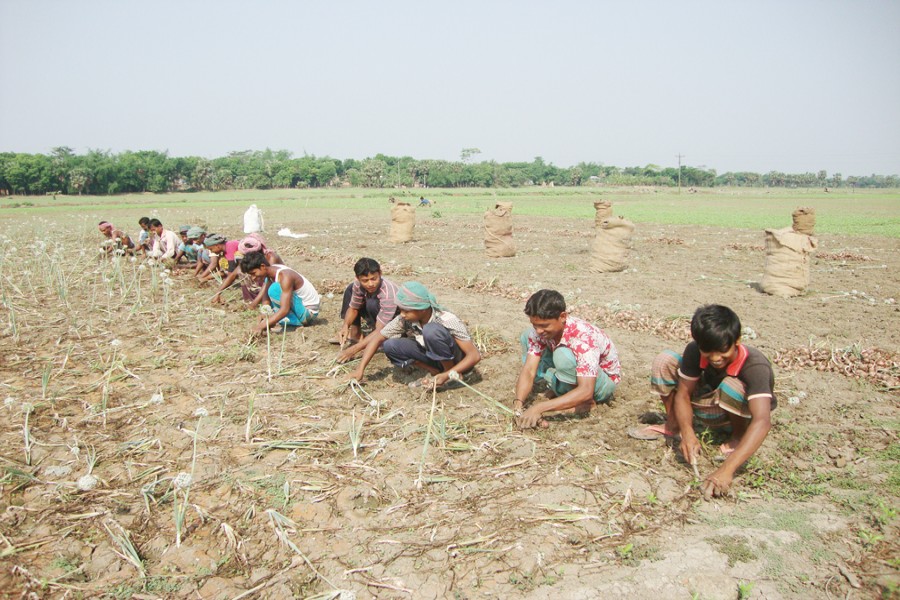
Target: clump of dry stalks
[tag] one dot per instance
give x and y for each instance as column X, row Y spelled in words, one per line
column 842, row 256
column 878, row 366
column 741, row 247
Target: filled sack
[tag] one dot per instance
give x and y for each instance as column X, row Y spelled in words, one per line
column 787, row 262
column 253, row 220
column 609, row 252
column 498, row 240
column 804, row 219
column 403, row 222
column 604, row 211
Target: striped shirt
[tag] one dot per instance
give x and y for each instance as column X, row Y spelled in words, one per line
column 400, row 327
column 387, row 299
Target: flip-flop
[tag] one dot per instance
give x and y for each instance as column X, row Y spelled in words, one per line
column 653, row 418
column 650, row 432
column 724, row 452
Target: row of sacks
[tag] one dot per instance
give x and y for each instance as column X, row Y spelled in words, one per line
column 498, row 240
column 787, row 250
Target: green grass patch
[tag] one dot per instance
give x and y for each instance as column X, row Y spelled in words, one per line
column 860, row 212
column 735, row 547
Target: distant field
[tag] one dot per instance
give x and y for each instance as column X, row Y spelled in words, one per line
column 853, row 212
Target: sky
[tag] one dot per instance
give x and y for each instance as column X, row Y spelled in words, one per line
column 785, row 85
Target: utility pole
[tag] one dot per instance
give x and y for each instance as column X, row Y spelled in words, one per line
column 679, row 156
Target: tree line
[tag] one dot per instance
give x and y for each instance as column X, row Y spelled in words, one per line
column 101, row 172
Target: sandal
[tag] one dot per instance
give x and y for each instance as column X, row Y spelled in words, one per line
column 651, row 432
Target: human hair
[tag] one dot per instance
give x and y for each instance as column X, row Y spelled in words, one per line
column 253, row 260
column 366, row 266
column 545, row 304
column 715, row 328
column 144, row 221
column 155, row 223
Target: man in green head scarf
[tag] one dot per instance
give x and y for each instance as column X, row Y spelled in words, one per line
column 423, row 335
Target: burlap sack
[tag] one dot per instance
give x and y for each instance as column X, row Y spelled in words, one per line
column 804, row 220
column 610, row 249
column 787, row 262
column 604, row 211
column 403, row 222
column 498, row 240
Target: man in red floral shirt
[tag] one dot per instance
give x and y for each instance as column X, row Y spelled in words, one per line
column 576, row 359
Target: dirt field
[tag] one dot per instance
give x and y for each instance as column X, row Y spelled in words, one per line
column 131, row 388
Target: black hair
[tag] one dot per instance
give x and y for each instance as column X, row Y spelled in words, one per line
column 253, row 260
column 155, row 223
column 715, row 328
column 545, row 304
column 366, row 266
column 144, row 221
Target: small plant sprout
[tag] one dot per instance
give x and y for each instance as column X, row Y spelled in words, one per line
column 266, row 312
column 45, row 379
column 27, row 408
column 744, row 589
column 247, row 426
column 419, row 480
column 355, row 433
column 126, row 550
column 183, row 481
column 89, row 481
column 281, row 353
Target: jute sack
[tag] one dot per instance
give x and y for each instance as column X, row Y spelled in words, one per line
column 498, row 240
column 403, row 222
column 604, row 211
column 610, row 249
column 787, row 262
column 804, row 220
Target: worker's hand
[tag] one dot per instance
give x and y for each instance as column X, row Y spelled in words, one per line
column 690, row 447
column 531, row 418
column 347, row 355
column 356, row 375
column 717, row 484
column 344, row 335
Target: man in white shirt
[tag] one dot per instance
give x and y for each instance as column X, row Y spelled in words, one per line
column 166, row 244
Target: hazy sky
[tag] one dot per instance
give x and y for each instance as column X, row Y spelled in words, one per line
column 764, row 85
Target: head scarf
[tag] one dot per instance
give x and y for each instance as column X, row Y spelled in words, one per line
column 251, row 243
column 214, row 239
column 412, row 295
column 195, row 232
column 105, row 226
column 184, row 228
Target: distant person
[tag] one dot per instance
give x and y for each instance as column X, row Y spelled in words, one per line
column 250, row 286
column 145, row 241
column 370, row 298
column 424, row 336
column 222, row 260
column 423, row 201
column 165, row 245
column 293, row 298
column 720, row 382
column 116, row 238
column 183, row 246
column 575, row 358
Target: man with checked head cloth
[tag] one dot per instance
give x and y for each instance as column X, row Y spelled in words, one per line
column 423, row 335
